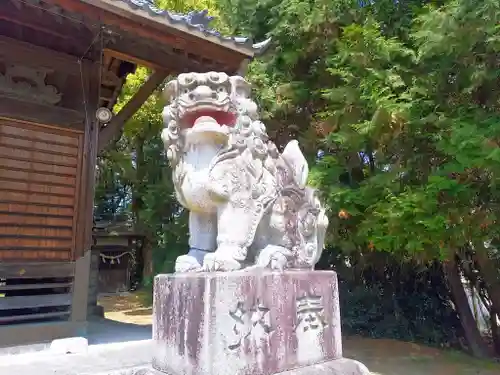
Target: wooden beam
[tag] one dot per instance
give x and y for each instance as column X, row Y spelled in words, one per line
column 35, row 286
column 80, row 293
column 32, row 317
column 87, row 163
column 112, row 129
column 37, row 270
column 35, row 18
column 36, row 27
column 30, row 302
column 40, row 113
column 15, row 51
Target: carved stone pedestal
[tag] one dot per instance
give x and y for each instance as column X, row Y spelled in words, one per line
column 249, row 322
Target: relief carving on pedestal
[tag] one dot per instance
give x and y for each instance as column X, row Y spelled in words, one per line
column 249, row 324
column 310, row 327
column 310, row 313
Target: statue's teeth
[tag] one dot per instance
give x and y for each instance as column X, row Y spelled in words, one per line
column 204, row 119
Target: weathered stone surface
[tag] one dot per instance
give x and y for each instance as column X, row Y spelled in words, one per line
column 245, row 322
column 341, row 366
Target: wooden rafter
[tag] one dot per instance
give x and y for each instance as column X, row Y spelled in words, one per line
column 35, row 18
column 111, row 130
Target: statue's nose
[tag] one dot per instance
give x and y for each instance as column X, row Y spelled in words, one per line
column 203, row 93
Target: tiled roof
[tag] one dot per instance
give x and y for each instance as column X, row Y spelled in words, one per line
column 196, row 21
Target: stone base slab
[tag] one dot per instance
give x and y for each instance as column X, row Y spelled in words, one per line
column 341, row 366
column 246, row 322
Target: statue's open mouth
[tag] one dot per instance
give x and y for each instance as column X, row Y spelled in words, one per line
column 207, row 122
column 221, row 117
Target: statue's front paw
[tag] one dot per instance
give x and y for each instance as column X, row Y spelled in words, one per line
column 216, row 262
column 187, row 263
column 273, row 257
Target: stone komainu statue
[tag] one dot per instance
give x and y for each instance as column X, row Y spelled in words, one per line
column 248, row 204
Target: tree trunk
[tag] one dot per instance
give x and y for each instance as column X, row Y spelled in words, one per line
column 477, row 345
column 489, row 272
column 495, row 332
column 147, row 255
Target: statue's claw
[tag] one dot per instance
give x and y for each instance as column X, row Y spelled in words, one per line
column 187, row 263
column 216, row 262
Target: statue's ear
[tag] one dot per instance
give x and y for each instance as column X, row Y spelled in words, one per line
column 170, row 90
column 240, row 87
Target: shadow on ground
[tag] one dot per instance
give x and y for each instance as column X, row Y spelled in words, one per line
column 106, row 331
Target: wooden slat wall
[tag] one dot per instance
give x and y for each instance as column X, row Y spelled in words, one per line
column 35, row 291
column 39, row 177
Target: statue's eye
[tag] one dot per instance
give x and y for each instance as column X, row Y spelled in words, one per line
column 221, row 89
column 185, row 91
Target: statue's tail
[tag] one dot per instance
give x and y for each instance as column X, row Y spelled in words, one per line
column 297, row 163
column 322, row 225
column 312, row 224
column 312, row 216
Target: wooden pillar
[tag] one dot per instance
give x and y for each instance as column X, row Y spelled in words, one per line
column 82, row 254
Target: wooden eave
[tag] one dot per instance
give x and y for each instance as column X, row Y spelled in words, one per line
column 182, row 30
column 152, row 42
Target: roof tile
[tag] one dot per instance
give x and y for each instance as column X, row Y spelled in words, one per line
column 199, row 21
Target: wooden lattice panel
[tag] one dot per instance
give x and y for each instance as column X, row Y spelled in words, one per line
column 39, row 177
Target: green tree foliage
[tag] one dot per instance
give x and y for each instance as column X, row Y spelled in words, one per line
column 402, row 96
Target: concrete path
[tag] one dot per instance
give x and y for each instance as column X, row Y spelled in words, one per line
column 111, row 346
column 102, row 358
